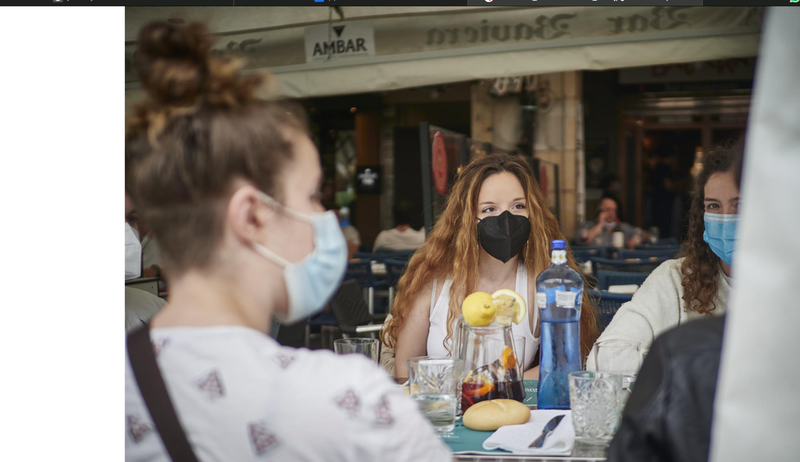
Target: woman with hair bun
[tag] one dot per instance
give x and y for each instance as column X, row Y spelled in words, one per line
column 686, row 288
column 230, row 184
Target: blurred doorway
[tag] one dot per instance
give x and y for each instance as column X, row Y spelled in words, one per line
column 662, row 143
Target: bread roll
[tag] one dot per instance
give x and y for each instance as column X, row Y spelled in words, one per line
column 490, row 415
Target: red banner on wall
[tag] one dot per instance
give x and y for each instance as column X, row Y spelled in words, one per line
column 439, row 160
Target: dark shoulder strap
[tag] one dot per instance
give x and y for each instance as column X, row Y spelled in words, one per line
column 156, row 398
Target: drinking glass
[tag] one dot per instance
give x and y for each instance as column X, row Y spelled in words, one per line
column 627, row 389
column 519, row 348
column 432, row 383
column 595, row 401
column 369, row 347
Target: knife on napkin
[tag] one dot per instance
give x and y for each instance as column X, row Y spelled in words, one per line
column 551, row 425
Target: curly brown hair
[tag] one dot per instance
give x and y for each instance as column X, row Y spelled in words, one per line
column 701, row 267
column 452, row 247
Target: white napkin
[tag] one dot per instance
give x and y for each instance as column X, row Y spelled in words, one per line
column 517, row 438
column 623, row 288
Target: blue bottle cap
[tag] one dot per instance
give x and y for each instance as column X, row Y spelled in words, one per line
column 559, row 244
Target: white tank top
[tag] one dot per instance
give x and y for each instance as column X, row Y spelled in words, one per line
column 438, row 319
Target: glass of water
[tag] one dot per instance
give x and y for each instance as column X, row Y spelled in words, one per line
column 369, row 347
column 433, row 384
column 595, row 401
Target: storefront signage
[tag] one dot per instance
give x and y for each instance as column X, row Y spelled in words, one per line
column 542, row 27
column 504, row 86
column 403, row 47
column 340, row 40
column 368, row 179
column 719, row 69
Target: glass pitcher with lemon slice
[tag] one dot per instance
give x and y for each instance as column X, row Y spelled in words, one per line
column 485, row 342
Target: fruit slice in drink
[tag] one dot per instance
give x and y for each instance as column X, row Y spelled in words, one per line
column 476, row 388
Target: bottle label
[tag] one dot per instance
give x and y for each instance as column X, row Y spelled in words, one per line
column 565, row 299
column 541, row 300
column 559, row 257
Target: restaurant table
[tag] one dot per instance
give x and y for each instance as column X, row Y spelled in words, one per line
column 378, row 269
column 580, row 451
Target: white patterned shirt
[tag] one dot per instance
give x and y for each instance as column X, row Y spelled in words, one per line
column 240, row 396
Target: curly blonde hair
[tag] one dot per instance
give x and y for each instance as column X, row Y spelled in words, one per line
column 452, row 247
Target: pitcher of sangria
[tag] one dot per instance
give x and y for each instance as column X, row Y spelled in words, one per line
column 491, row 369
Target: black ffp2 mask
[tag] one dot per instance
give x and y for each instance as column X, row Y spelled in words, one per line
column 504, row 236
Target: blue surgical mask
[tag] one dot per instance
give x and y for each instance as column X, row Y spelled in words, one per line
column 720, row 234
column 312, row 281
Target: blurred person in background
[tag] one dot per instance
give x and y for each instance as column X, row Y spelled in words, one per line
column 230, row 185
column 351, row 234
column 693, row 286
column 133, row 246
column 494, row 233
column 664, row 189
column 151, row 259
column 149, row 251
column 402, row 236
column 601, row 232
column 140, row 306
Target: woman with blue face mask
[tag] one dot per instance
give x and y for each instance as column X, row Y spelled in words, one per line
column 230, row 184
column 695, row 285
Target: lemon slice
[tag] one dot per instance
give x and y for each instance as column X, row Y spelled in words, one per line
column 510, row 307
column 478, row 309
column 508, row 360
column 476, row 385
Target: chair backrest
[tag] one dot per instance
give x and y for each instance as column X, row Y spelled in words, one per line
column 656, row 247
column 585, row 253
column 361, row 271
column 349, row 306
column 641, row 266
column 624, row 254
column 388, row 253
column 395, row 267
column 607, row 306
column 606, row 278
column 381, row 256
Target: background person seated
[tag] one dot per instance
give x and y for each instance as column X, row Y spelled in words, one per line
column 351, row 234
column 601, row 232
column 151, row 258
column 151, row 261
column 140, row 306
column 402, row 236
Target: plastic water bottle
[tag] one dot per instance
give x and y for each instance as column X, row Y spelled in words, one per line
column 559, row 291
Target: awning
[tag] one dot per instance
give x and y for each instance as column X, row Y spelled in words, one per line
column 378, row 49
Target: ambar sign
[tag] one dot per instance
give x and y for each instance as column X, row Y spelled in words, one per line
column 339, row 41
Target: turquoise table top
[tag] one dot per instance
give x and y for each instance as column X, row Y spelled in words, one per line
column 463, row 440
